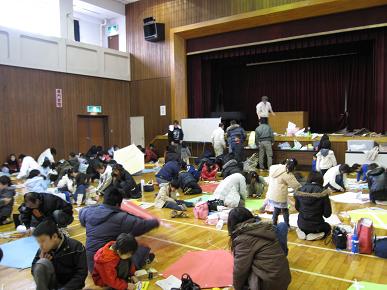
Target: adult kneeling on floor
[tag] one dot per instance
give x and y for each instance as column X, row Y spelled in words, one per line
column 313, row 204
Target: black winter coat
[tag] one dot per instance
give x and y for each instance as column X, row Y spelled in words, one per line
column 127, row 186
column 49, row 204
column 312, row 203
column 377, row 183
column 69, row 263
column 185, row 178
column 6, row 209
column 231, row 167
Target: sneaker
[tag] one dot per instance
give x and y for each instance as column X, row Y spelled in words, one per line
column 315, row 237
column 7, row 221
column 183, row 207
column 64, row 232
column 188, row 191
column 300, row 234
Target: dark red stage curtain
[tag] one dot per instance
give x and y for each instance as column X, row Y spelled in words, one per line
column 222, row 81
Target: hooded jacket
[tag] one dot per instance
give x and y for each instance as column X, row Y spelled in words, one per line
column 127, row 186
column 377, row 183
column 6, row 209
column 325, row 159
column 104, row 223
column 231, row 190
column 230, row 167
column 164, row 195
column 175, row 135
column 169, row 171
column 105, row 269
column 209, row 174
column 259, row 261
column 49, row 203
column 312, row 203
column 330, row 177
column 36, row 184
column 279, row 181
column 232, row 131
column 69, row 262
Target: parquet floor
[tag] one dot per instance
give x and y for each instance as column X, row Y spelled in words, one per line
column 314, row 265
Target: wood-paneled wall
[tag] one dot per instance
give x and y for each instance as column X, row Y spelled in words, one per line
column 151, row 61
column 30, row 121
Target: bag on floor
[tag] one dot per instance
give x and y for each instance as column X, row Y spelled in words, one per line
column 201, row 210
column 365, row 232
column 188, row 284
column 339, row 238
column 381, row 248
column 212, row 219
column 213, row 204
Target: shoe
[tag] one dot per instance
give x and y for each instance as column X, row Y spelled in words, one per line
column 300, row 234
column 183, row 207
column 315, row 237
column 188, row 191
column 7, row 221
column 178, row 214
column 64, row 232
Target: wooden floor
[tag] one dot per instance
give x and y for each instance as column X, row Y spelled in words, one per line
column 314, row 265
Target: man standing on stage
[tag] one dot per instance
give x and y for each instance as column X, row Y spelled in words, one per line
column 264, row 108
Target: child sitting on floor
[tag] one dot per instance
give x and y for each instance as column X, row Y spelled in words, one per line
column 255, row 184
column 6, row 199
column 82, row 183
column 113, row 265
column 187, row 182
column 185, row 153
column 209, row 171
column 167, row 197
column 35, row 182
column 66, row 184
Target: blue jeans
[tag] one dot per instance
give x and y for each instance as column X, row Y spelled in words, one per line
column 282, row 234
column 81, row 189
column 161, row 181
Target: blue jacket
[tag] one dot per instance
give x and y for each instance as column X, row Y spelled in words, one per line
column 232, row 131
column 169, row 171
column 104, row 223
column 362, row 172
column 37, row 184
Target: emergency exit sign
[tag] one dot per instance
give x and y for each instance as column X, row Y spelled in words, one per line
column 94, row 109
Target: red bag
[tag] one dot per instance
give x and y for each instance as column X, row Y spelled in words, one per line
column 365, row 232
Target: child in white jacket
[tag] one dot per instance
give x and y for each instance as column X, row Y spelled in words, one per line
column 232, row 190
column 325, row 159
column 336, row 177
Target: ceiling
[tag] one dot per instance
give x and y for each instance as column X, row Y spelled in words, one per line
column 126, row 1
column 85, row 8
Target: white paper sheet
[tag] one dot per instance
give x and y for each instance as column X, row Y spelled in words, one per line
column 333, row 220
column 170, row 282
column 351, row 197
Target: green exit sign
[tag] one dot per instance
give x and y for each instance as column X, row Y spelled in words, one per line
column 94, row 109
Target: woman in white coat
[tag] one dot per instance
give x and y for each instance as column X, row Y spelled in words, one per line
column 232, row 190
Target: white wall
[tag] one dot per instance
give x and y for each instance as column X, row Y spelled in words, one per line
column 89, row 29
column 120, row 21
column 66, row 19
column 111, row 5
column 18, row 48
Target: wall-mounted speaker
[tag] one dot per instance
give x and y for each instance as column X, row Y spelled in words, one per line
column 153, row 31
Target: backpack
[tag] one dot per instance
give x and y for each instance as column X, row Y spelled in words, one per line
column 339, row 238
column 381, row 248
column 201, row 210
column 251, row 163
column 365, row 232
column 188, row 284
column 213, row 204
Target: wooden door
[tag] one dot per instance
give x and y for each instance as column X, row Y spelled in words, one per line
column 113, row 42
column 91, row 131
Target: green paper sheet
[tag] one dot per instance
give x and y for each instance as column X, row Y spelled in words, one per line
column 254, row 204
column 377, row 215
column 367, row 286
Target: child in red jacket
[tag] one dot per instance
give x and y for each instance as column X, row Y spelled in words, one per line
column 112, row 263
column 209, row 171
